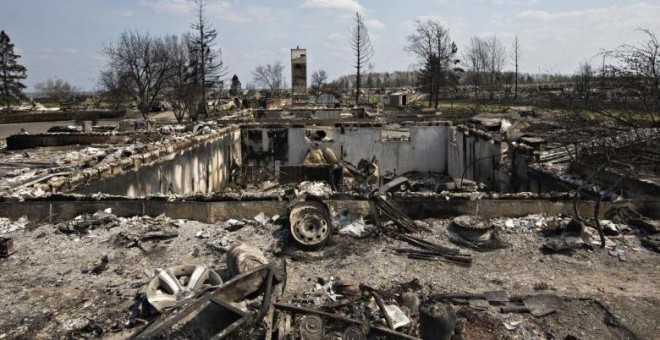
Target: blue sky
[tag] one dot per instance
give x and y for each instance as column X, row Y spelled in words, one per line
column 65, row 38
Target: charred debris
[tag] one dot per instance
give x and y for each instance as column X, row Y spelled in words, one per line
column 269, row 202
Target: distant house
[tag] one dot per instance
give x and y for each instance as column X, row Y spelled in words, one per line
column 394, row 99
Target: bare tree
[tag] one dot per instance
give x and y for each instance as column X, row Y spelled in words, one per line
column 183, row 91
column 515, row 57
column 583, row 81
column 362, row 51
column 475, row 58
column 639, row 68
column 206, row 60
column 270, row 77
column 145, row 61
column 56, row 89
column 435, row 52
column 115, row 87
column 319, row 79
column 611, row 143
column 495, row 63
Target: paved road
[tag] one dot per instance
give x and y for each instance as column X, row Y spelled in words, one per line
column 38, row 127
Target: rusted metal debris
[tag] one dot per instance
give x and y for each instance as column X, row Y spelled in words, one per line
column 246, row 284
column 394, row 184
column 206, row 318
column 402, row 221
column 404, row 224
column 352, row 322
column 475, row 232
column 571, row 237
column 493, row 297
column 436, row 321
column 331, row 174
column 537, row 305
column 6, row 247
column 311, row 328
column 310, row 223
column 380, row 303
column 430, row 250
column 210, row 314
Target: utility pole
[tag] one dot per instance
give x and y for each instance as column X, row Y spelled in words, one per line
column 516, row 58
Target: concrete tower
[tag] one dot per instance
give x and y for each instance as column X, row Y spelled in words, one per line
column 299, row 75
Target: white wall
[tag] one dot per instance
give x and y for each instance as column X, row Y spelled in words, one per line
column 426, row 150
column 482, row 158
column 202, row 168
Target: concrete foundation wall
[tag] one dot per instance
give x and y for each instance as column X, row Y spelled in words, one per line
column 478, row 158
column 629, row 186
column 426, row 150
column 212, row 212
column 202, row 168
column 435, row 148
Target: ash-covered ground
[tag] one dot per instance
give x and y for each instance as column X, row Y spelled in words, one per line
column 80, row 278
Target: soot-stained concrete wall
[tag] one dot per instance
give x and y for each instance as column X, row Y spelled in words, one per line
column 436, row 148
column 425, row 151
column 457, row 151
column 479, row 158
column 211, row 212
column 202, row 168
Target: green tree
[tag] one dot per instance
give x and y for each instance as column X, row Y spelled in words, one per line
column 11, row 73
column 435, row 53
column 235, row 89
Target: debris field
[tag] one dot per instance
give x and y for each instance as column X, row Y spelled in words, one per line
column 87, row 277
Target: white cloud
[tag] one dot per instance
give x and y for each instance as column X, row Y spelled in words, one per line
column 635, row 13
column 375, row 24
column 350, row 5
column 219, row 10
column 122, row 13
column 177, row 7
column 579, row 34
column 258, row 13
column 515, row 2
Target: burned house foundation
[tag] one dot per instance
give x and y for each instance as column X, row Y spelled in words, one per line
column 291, row 230
column 196, row 172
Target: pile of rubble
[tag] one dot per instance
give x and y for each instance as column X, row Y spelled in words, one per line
column 248, row 278
column 66, row 169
